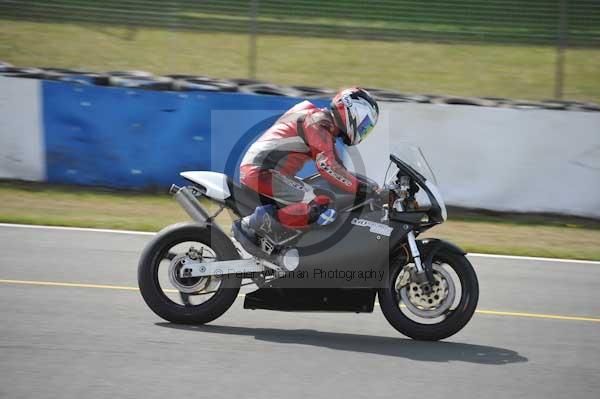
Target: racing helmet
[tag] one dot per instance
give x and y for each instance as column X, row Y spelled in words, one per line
column 355, row 113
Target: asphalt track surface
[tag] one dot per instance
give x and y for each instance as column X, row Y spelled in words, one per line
column 75, row 326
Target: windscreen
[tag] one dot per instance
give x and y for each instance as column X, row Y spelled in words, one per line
column 413, row 156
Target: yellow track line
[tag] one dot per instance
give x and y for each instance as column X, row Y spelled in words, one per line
column 126, row 288
column 538, row 315
column 78, row 285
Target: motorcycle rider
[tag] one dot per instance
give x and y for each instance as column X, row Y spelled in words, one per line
column 303, row 133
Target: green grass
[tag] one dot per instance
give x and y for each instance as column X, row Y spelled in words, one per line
column 514, row 21
column 514, row 71
column 536, row 235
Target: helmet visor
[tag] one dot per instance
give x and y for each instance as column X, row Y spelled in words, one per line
column 363, row 130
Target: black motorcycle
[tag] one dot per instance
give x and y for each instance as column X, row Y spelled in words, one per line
column 191, row 272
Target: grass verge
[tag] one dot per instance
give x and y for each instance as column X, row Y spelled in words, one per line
column 513, row 71
column 544, row 236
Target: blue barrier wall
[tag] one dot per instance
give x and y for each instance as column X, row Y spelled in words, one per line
column 131, row 138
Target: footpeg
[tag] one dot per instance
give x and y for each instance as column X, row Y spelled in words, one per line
column 252, row 247
column 288, row 259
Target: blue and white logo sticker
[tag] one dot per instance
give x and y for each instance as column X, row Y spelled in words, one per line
column 347, row 100
column 327, row 217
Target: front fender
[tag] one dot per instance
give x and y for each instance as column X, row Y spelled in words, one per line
column 429, row 247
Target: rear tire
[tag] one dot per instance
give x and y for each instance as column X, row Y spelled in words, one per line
column 157, row 249
column 389, row 301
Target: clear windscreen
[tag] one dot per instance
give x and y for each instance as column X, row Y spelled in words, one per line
column 413, row 156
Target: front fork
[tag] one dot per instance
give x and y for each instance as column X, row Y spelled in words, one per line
column 414, row 252
column 423, row 274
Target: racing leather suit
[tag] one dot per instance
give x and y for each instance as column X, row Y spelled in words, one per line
column 269, row 166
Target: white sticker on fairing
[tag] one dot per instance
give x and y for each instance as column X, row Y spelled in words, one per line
column 347, row 100
column 374, row 227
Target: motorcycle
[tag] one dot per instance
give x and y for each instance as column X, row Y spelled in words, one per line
column 192, row 272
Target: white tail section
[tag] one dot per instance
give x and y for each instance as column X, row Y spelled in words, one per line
column 214, row 183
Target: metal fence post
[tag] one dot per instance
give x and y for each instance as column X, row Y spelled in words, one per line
column 560, row 50
column 252, row 44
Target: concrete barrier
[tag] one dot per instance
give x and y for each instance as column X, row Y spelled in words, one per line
column 22, row 153
column 498, row 159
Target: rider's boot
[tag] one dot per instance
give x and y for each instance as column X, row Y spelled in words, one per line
column 260, row 232
column 262, row 223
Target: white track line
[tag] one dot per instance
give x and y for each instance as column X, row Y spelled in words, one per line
column 149, row 233
column 592, row 262
column 85, row 229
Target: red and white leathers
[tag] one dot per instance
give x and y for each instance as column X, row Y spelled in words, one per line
column 303, row 133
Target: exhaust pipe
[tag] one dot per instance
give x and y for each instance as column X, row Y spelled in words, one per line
column 190, row 204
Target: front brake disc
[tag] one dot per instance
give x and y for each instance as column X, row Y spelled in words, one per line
column 435, row 303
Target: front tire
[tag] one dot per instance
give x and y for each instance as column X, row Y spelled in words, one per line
column 454, row 320
column 158, row 249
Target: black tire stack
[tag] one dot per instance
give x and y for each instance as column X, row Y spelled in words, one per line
column 192, row 83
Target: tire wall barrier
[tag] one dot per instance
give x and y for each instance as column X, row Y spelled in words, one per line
column 492, row 158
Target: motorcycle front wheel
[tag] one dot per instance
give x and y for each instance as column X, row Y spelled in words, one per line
column 191, row 300
column 439, row 312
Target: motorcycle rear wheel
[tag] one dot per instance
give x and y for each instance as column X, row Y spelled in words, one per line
column 453, row 320
column 157, row 251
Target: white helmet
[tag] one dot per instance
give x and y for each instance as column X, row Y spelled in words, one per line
column 355, row 113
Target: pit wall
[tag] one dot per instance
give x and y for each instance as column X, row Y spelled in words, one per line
column 491, row 158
